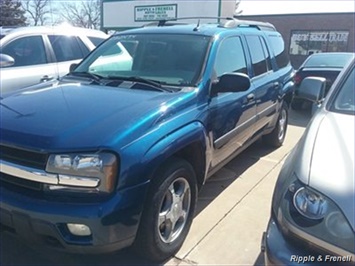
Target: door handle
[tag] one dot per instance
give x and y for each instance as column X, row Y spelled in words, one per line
column 250, row 97
column 45, row 78
column 276, row 85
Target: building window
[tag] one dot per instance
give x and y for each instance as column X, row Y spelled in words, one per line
column 309, row 42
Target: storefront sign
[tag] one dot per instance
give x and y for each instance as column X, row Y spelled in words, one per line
column 338, row 36
column 306, row 42
column 332, row 36
column 156, row 12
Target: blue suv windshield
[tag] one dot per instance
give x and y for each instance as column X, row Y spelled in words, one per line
column 171, row 59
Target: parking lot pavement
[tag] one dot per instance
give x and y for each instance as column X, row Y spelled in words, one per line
column 232, row 212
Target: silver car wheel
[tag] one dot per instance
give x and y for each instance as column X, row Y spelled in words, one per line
column 174, row 210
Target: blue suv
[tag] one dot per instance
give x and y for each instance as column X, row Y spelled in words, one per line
column 115, row 152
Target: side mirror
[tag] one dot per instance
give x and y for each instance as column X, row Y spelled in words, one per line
column 231, row 82
column 312, row 89
column 6, row 60
column 72, row 67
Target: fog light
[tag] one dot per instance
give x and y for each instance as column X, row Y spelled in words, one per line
column 79, row 229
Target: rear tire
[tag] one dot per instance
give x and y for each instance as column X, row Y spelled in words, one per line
column 168, row 212
column 277, row 136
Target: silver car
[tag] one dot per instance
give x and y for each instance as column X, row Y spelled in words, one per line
column 30, row 55
column 312, row 218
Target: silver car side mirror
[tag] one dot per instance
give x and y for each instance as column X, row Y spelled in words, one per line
column 6, row 60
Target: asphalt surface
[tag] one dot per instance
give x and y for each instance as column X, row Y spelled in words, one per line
column 232, row 213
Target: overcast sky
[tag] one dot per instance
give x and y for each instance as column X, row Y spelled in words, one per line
column 255, row 7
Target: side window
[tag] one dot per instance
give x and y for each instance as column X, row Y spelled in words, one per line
column 230, row 57
column 266, row 53
column 278, row 45
column 96, row 40
column 84, row 49
column 66, row 48
column 258, row 57
column 26, row 51
column 113, row 50
column 345, row 99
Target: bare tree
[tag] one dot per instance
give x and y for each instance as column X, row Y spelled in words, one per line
column 37, row 10
column 84, row 13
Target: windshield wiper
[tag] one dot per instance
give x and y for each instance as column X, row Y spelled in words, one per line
column 153, row 83
column 94, row 77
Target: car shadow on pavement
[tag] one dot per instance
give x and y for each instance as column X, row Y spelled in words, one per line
column 260, row 261
column 300, row 118
column 230, row 173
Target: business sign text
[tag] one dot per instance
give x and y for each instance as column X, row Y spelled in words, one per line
column 156, row 12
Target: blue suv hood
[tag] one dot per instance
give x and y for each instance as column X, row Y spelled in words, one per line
column 76, row 116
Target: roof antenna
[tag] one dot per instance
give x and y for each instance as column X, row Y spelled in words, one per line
column 197, row 26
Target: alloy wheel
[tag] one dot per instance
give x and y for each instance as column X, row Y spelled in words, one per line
column 174, row 210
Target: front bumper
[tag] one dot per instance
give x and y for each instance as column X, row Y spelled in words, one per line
column 278, row 250
column 113, row 222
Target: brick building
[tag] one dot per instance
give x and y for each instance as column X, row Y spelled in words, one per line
column 305, row 34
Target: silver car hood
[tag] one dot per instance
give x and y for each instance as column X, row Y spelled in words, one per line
column 328, row 166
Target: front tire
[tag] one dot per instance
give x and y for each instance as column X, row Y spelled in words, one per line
column 168, row 212
column 277, row 136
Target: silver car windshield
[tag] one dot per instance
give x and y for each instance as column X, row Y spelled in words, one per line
column 171, row 59
column 344, row 101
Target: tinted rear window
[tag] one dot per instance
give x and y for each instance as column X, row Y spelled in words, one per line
column 278, row 46
column 328, row 60
column 258, row 57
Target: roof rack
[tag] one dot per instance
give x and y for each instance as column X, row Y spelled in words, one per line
column 228, row 22
column 168, row 22
column 235, row 23
column 161, row 23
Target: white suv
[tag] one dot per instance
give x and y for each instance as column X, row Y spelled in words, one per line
column 30, row 55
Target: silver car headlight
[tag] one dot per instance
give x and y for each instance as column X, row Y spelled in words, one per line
column 314, row 217
column 83, row 172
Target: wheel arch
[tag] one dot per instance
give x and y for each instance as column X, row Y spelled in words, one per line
column 189, row 143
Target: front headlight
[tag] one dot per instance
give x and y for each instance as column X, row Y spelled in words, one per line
column 312, row 216
column 83, row 172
